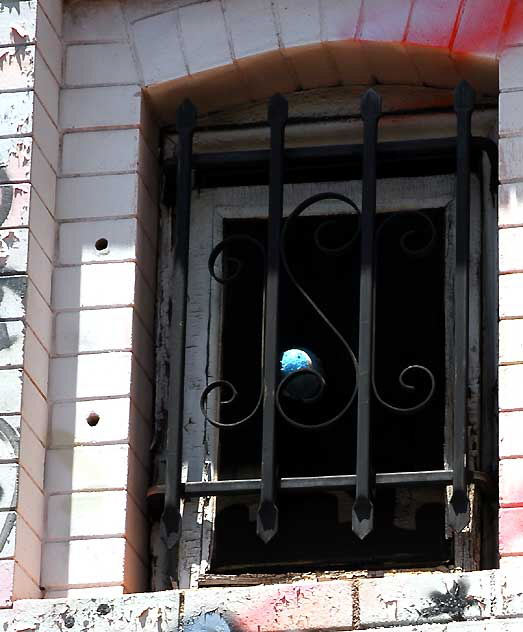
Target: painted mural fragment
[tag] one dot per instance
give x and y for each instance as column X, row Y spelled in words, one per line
column 17, row 21
column 280, row 608
column 13, row 251
column 14, row 205
column 12, row 292
column 6, row 198
column 15, row 167
column 11, row 346
column 338, row 604
column 16, row 67
column 11, row 343
column 11, row 6
column 13, row 258
column 14, row 210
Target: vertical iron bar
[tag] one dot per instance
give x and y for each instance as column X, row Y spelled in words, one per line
column 171, row 517
column 267, row 520
column 363, row 509
column 459, row 510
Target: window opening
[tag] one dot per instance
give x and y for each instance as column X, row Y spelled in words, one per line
column 407, row 278
column 377, row 465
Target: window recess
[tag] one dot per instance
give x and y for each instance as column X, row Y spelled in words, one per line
column 330, row 367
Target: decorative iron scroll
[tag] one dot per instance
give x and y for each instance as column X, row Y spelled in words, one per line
column 221, row 385
column 342, row 248
column 402, row 379
column 365, row 390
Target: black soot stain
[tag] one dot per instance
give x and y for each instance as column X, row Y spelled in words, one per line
column 453, row 602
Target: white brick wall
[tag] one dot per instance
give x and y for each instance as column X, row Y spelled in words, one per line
column 103, row 300
column 98, row 107
column 99, row 64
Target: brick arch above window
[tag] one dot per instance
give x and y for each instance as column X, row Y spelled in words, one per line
column 221, row 54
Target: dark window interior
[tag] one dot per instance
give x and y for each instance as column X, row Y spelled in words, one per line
column 315, row 529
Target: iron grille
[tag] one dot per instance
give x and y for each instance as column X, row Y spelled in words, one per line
column 364, row 481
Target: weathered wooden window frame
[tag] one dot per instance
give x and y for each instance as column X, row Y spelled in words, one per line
column 209, row 209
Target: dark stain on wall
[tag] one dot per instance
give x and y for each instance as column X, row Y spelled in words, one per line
column 454, row 602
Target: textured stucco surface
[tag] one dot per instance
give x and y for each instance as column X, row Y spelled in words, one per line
column 153, row 612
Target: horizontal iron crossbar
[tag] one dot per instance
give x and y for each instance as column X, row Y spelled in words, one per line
column 324, row 483
column 385, row 150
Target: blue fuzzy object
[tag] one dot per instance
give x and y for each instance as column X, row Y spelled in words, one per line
column 295, row 359
column 303, row 387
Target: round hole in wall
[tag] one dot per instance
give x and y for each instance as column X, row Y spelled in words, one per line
column 101, row 244
column 93, row 419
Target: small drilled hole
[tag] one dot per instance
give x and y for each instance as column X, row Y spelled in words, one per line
column 93, row 419
column 101, row 244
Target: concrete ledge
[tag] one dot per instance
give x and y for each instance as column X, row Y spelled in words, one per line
column 484, row 601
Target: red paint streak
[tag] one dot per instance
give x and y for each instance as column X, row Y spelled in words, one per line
column 513, row 29
column 457, row 24
column 307, row 605
column 481, row 27
column 272, row 611
column 478, row 27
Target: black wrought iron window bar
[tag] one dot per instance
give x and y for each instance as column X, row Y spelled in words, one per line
column 364, row 391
